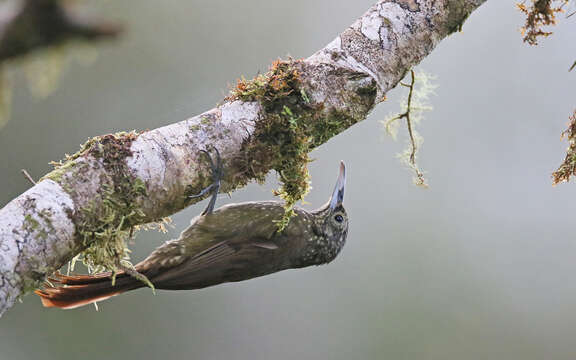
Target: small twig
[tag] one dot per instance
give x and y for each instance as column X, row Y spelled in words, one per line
column 409, row 122
column 406, row 115
column 28, row 177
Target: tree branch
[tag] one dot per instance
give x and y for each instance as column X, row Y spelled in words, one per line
column 119, row 181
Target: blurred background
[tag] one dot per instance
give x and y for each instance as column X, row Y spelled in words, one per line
column 481, row 265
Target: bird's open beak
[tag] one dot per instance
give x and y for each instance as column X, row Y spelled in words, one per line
column 338, row 193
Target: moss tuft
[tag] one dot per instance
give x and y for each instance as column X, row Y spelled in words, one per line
column 539, row 14
column 290, row 128
column 107, row 222
column 568, row 167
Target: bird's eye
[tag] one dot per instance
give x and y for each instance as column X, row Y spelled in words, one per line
column 338, row 218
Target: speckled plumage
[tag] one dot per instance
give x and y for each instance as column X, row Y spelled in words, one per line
column 241, row 241
column 235, row 242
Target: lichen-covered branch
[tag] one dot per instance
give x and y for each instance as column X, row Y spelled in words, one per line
column 29, row 25
column 269, row 123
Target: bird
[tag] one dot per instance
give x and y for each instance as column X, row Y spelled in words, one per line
column 235, row 242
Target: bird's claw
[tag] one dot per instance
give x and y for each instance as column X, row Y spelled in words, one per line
column 213, row 188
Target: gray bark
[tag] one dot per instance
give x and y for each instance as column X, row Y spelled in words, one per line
column 39, row 230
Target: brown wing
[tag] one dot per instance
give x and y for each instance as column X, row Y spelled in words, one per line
column 236, row 242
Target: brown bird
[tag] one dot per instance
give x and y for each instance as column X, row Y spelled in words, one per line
column 232, row 243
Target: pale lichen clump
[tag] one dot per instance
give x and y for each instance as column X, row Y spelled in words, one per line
column 413, row 105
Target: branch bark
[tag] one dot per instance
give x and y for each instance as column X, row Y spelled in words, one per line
column 118, row 181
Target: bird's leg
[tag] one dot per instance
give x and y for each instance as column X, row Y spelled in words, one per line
column 213, row 188
column 132, row 272
column 216, row 177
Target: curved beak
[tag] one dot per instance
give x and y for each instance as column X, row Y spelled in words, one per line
column 338, row 193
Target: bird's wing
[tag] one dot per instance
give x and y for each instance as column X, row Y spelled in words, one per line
column 227, row 224
column 169, row 254
column 233, row 243
column 238, row 220
column 196, row 270
column 252, row 221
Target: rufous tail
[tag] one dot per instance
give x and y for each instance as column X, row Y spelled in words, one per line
column 82, row 290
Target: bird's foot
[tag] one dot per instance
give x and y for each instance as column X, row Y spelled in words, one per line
column 213, row 188
column 129, row 269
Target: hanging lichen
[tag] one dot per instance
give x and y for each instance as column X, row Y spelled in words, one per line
column 540, row 13
column 414, row 104
column 568, row 167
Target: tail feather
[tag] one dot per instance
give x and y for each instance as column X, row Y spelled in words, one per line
column 58, row 278
column 84, row 289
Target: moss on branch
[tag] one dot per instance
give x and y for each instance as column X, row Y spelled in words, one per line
column 106, row 222
column 291, row 126
column 568, row 167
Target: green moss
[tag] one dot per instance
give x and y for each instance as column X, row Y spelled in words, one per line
column 331, row 125
column 30, row 223
column 106, row 227
column 568, row 167
column 457, row 15
column 290, row 128
column 107, row 222
column 205, row 120
column 34, row 278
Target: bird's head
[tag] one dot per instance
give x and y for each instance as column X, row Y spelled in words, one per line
column 332, row 217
